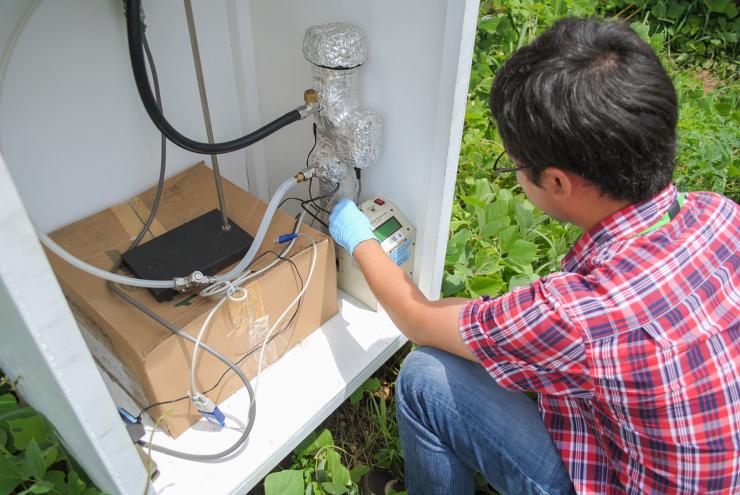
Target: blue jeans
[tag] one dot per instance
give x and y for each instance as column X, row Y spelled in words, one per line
column 454, row 420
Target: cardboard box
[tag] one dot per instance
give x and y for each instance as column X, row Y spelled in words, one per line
column 150, row 362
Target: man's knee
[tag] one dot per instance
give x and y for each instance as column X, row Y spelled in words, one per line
column 423, row 371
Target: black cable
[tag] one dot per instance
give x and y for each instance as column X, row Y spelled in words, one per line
column 178, row 331
column 358, row 174
column 295, row 313
column 315, row 141
column 250, row 352
column 313, row 200
column 136, row 38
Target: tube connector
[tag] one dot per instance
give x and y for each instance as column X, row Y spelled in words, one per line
column 195, row 279
column 311, row 97
column 304, row 175
column 282, row 239
column 307, row 110
column 208, row 409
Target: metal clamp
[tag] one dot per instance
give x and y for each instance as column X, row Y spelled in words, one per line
column 195, row 279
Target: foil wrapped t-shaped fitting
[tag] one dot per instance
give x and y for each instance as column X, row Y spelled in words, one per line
column 348, row 135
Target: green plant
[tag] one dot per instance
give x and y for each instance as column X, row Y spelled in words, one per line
column 500, row 241
column 694, row 33
column 31, row 458
column 709, row 136
column 317, row 469
column 379, row 402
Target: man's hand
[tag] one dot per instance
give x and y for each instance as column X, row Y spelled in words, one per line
column 433, row 323
column 349, row 226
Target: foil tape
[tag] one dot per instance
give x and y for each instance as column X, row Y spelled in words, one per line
column 348, row 135
column 335, row 46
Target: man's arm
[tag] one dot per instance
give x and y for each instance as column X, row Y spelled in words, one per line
column 432, row 323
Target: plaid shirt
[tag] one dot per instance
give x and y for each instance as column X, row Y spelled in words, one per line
column 634, row 349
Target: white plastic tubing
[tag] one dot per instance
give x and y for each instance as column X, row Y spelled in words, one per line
column 158, row 284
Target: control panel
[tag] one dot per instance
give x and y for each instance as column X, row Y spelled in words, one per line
column 397, row 238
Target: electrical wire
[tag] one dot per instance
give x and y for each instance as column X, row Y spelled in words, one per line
column 313, row 200
column 169, row 284
column 285, row 312
column 221, row 287
column 248, row 353
column 126, row 297
column 135, row 30
column 12, row 38
column 252, row 403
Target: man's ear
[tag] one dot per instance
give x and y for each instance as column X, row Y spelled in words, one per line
column 558, row 183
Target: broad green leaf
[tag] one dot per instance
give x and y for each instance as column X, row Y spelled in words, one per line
column 370, row 385
column 313, row 443
column 39, row 487
column 34, row 460
column 521, row 279
column 8, row 402
column 50, row 455
column 10, row 475
column 333, row 488
column 24, row 429
column 490, row 286
column 75, row 486
column 452, row 284
column 642, row 29
column 357, row 472
column 524, row 214
column 489, row 24
column 487, row 262
column 3, row 439
column 716, row 5
column 339, row 473
column 507, row 237
column 57, row 478
column 289, row 482
column 522, row 252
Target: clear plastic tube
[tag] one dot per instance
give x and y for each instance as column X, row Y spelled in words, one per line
column 157, row 284
column 98, row 272
column 262, row 231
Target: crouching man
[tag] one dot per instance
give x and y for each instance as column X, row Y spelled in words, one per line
column 633, row 348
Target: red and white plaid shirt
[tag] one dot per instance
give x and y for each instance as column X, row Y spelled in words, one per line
column 634, row 349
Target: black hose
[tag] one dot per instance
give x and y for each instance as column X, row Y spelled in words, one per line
column 135, row 46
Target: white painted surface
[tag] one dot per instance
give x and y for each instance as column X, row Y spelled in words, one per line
column 42, row 348
column 75, row 136
column 72, row 128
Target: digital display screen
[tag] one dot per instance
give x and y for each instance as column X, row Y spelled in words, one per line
column 387, row 229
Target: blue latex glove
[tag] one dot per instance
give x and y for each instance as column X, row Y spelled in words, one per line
column 349, row 226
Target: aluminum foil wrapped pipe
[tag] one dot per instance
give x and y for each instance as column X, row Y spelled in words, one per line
column 348, row 135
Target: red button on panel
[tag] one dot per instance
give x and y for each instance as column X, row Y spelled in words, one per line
column 379, row 201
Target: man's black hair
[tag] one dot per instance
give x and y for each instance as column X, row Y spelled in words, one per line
column 590, row 97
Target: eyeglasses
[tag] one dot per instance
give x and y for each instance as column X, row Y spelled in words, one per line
column 505, row 169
